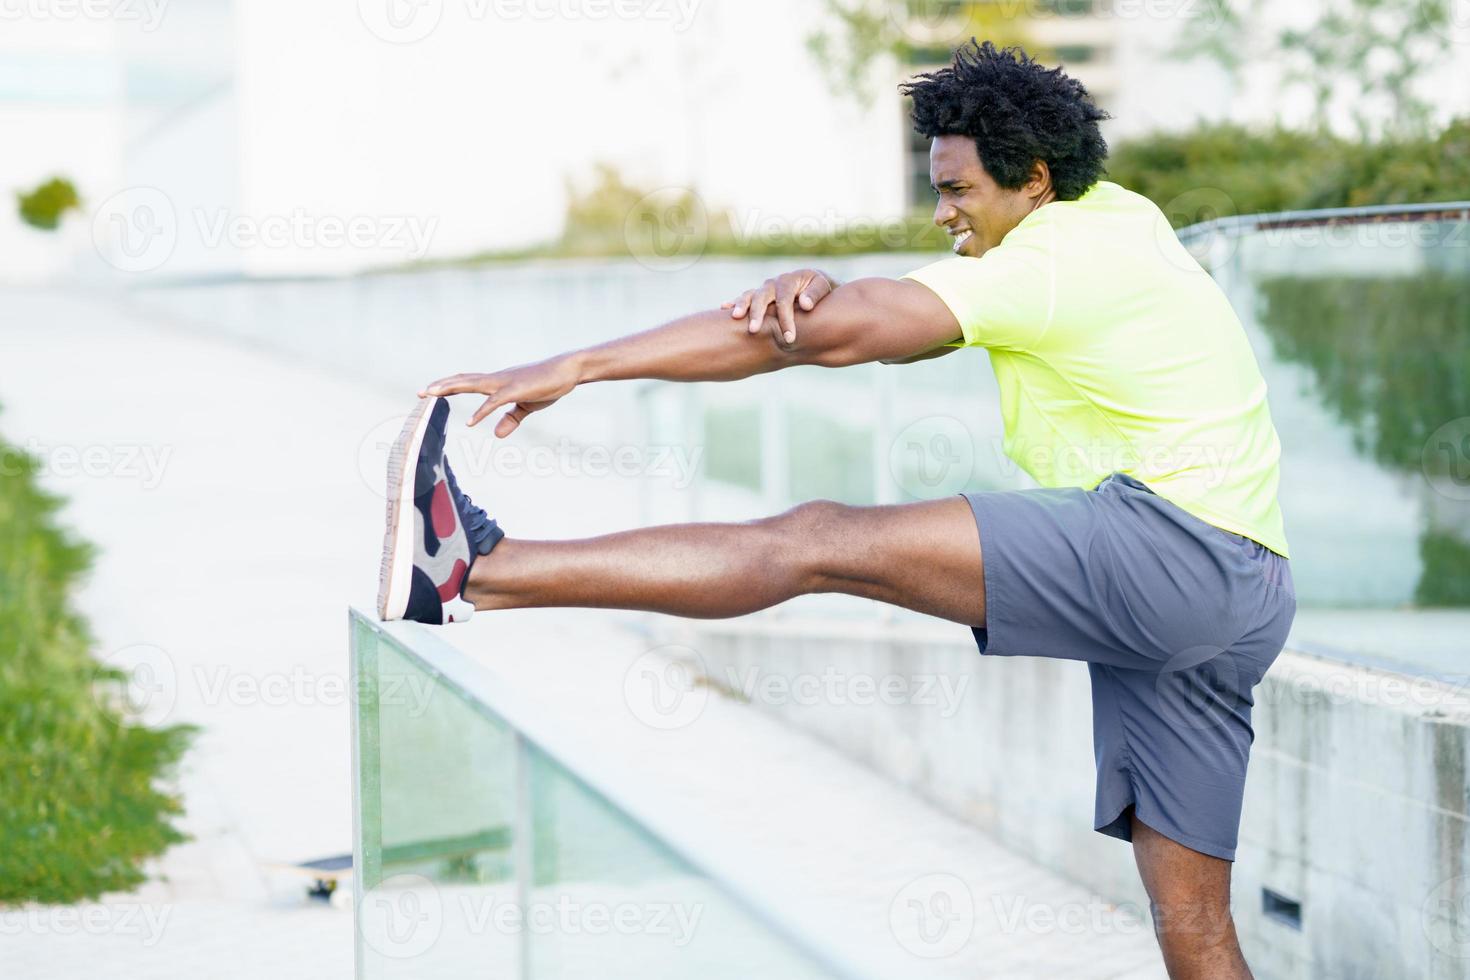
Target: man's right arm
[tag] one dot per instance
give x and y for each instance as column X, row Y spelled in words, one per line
column 861, row 322
column 773, row 305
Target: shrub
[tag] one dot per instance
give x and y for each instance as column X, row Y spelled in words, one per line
column 44, row 207
column 80, row 808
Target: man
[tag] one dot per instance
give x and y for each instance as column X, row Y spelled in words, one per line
column 1155, row 551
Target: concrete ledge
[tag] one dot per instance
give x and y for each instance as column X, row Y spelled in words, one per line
column 1356, row 809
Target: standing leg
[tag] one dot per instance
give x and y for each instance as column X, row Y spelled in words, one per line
column 1189, row 895
column 923, row 556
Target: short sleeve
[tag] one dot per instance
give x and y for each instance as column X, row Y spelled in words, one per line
column 1005, row 298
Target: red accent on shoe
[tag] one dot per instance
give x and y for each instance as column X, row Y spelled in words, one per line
column 450, row 589
column 441, row 509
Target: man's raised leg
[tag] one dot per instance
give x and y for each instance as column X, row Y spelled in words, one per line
column 922, row 556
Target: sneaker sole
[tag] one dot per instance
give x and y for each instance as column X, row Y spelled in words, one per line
column 395, row 574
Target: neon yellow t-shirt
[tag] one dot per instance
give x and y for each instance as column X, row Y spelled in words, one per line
column 1115, row 351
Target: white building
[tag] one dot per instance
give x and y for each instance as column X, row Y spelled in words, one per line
column 284, row 138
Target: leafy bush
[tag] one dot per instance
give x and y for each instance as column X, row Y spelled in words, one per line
column 1237, row 170
column 44, row 207
column 79, row 805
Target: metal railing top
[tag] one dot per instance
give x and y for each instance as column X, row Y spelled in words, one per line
column 1242, row 223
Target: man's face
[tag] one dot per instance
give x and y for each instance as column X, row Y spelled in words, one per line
column 975, row 210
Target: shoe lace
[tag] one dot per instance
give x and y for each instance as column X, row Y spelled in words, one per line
column 476, row 521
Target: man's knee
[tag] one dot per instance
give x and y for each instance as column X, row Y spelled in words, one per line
column 805, row 538
column 812, row 517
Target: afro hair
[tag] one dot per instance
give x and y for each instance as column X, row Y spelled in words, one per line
column 1017, row 112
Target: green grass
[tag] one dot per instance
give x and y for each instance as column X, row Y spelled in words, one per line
column 80, row 803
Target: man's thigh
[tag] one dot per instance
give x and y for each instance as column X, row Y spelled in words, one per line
column 924, row 556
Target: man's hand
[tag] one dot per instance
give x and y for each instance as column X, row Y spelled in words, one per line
column 805, row 287
column 530, row 387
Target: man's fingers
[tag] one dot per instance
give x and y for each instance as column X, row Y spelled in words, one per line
column 815, row 291
column 491, row 404
column 785, row 311
column 741, row 305
column 758, row 307
column 511, row 421
column 457, row 384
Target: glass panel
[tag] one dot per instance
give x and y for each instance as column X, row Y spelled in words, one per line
column 733, row 445
column 608, row 900
column 438, row 807
column 1363, row 332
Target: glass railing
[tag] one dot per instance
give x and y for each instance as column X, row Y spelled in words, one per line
column 482, row 851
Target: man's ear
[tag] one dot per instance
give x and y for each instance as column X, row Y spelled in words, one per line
column 1039, row 182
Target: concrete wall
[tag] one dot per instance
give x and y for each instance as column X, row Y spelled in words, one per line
column 1356, row 805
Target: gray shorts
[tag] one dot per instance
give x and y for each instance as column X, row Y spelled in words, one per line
column 1178, row 620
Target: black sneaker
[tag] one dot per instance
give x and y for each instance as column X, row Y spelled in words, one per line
column 427, row 559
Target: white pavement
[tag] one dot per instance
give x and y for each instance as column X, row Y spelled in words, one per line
column 222, row 486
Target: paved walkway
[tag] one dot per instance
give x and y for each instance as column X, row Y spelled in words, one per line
column 222, row 484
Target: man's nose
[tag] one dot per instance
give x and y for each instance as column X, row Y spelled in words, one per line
column 943, row 214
